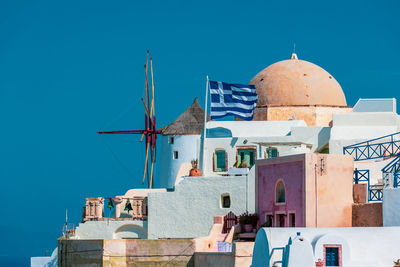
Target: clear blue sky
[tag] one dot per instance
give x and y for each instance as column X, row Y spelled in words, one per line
column 69, row 69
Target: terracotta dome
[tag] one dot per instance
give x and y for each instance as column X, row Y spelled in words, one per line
column 297, row 82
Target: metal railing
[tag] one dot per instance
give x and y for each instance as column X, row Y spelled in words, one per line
column 393, row 168
column 381, row 147
column 375, row 193
column 361, row 176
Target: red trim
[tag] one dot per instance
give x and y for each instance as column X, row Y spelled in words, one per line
column 249, row 148
column 214, row 162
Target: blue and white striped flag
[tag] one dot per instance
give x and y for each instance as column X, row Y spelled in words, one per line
column 232, row 99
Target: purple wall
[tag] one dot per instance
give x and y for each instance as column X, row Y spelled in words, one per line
column 292, row 175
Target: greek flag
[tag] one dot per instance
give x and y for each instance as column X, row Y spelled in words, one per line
column 232, row 99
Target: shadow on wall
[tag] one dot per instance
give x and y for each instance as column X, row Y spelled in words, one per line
column 130, row 231
column 218, row 132
column 261, row 250
column 323, row 139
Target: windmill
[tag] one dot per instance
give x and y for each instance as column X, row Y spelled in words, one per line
column 150, row 132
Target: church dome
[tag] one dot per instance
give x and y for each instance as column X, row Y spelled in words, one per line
column 297, row 82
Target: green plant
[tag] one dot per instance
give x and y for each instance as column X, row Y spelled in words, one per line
column 235, row 236
column 243, row 164
column 397, row 262
column 248, row 218
column 195, row 163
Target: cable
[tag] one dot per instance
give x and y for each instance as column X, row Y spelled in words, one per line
column 118, row 160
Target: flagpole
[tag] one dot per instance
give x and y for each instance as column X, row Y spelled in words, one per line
column 205, row 129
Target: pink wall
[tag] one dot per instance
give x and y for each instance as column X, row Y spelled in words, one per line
column 292, row 175
column 319, row 189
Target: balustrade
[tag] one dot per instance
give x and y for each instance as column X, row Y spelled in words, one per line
column 137, row 210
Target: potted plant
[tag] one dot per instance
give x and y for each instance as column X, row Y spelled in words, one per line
column 195, row 170
column 243, row 164
column 319, row 263
column 249, row 221
column 397, row 263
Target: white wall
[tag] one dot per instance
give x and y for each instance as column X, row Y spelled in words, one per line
column 367, row 246
column 374, row 167
column 111, row 229
column 187, row 147
column 188, row 211
column 289, row 137
column 390, row 207
column 301, row 253
column 46, row 261
column 355, row 127
column 39, row 261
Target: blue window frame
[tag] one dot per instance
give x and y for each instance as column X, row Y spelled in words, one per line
column 272, row 152
column 332, row 256
column 220, row 160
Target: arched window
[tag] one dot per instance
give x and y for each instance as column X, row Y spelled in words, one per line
column 280, row 192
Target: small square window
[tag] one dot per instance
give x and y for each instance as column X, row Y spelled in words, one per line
column 175, row 156
column 271, row 152
column 226, row 201
column 171, row 140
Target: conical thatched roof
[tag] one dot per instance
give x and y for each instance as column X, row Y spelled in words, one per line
column 190, row 122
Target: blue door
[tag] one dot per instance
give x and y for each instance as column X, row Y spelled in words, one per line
column 332, row 256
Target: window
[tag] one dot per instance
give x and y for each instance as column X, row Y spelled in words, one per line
column 269, row 218
column 292, row 220
column 225, row 201
column 176, row 155
column 271, row 152
column 220, row 160
column 171, row 140
column 333, row 255
column 280, row 192
column 246, row 157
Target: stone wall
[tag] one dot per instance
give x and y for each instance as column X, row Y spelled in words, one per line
column 145, row 252
column 126, row 252
column 80, row 253
column 360, row 193
column 312, row 115
column 241, row 255
column 367, row 214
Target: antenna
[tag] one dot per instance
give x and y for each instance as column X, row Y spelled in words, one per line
column 294, row 56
